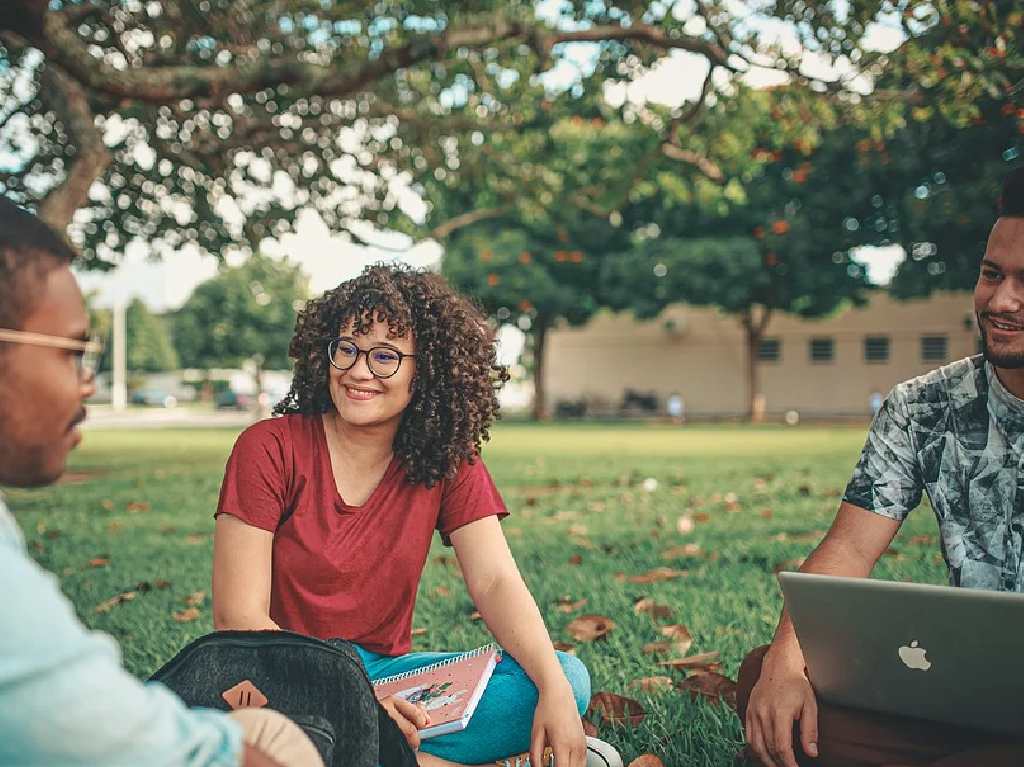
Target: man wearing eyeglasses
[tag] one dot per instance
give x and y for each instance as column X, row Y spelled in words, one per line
column 64, row 698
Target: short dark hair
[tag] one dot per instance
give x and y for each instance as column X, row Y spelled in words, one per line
column 1011, row 201
column 29, row 250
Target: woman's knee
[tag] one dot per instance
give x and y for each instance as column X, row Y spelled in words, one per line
column 579, row 679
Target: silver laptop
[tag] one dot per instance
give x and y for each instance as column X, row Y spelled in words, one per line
column 932, row 652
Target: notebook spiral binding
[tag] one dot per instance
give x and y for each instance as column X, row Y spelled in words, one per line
column 439, row 664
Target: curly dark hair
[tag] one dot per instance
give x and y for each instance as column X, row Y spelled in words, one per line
column 455, row 387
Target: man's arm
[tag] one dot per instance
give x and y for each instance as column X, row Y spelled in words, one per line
column 851, row 548
column 783, row 694
column 65, row 699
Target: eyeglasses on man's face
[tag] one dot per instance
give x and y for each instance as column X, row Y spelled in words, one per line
column 382, row 361
column 87, row 351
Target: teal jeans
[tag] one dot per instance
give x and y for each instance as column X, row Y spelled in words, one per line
column 503, row 720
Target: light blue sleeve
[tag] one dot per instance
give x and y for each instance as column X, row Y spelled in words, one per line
column 65, row 700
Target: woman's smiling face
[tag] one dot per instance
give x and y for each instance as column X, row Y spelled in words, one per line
column 360, row 397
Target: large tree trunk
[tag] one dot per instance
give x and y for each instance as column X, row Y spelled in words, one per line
column 540, row 335
column 754, row 330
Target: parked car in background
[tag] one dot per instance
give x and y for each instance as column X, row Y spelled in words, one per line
column 229, row 399
column 153, row 397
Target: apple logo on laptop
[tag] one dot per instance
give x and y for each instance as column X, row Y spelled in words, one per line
column 914, row 657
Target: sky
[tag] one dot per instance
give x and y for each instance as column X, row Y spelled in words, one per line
column 329, row 259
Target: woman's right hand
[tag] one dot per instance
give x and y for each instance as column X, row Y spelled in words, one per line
column 782, row 696
column 409, row 717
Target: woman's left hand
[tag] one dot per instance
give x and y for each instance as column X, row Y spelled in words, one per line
column 557, row 724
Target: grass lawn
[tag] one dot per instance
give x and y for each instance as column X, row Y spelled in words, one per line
column 135, row 514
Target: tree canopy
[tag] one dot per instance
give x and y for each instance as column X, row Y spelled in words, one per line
column 213, row 122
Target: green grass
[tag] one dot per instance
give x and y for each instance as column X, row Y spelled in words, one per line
column 145, row 500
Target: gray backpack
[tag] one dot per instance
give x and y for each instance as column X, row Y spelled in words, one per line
column 320, row 685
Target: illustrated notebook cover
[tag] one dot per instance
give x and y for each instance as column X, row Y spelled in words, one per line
column 450, row 689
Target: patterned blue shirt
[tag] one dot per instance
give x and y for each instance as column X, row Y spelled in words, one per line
column 956, row 434
column 65, row 700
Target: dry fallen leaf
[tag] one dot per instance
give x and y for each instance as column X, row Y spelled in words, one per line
column 567, row 605
column 657, row 648
column 615, row 709
column 195, row 599
column 652, row 683
column 186, row 615
column 589, row 728
column 766, row 513
column 652, row 608
column 701, row 517
column 194, row 539
column 711, row 686
column 418, row 632
column 587, row 628
column 686, row 550
column 162, row 584
column 136, row 506
column 704, row 660
column 109, row 604
column 576, row 559
column 685, row 524
column 653, row 576
column 788, row 565
column 475, row 615
column 922, row 540
column 442, row 591
column 647, row 760
column 101, row 561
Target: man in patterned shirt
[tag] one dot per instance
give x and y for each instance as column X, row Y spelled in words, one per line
column 957, row 434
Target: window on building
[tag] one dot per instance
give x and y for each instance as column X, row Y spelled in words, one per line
column 822, row 349
column 876, row 349
column 770, row 350
column 934, row 348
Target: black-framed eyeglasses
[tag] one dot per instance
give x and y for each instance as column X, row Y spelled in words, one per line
column 382, row 361
column 87, row 351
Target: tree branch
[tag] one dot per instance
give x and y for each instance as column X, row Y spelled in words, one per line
column 159, row 85
column 641, row 33
column 61, row 43
column 90, row 161
column 442, row 231
column 704, row 164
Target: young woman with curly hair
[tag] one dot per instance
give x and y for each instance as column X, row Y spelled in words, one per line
column 326, row 514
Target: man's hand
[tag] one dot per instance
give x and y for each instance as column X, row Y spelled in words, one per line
column 782, row 696
column 409, row 717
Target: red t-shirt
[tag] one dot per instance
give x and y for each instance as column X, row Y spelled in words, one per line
column 340, row 570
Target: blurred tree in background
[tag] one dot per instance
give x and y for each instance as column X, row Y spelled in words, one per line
column 148, row 344
column 244, row 314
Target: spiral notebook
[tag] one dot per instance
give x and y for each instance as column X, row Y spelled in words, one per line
column 450, row 689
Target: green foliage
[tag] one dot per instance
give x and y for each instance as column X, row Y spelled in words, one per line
column 148, row 339
column 244, row 312
column 566, row 498
column 165, row 120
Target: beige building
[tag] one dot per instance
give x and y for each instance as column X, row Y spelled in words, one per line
column 820, row 368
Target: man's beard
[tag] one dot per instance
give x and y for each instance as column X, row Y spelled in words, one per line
column 1007, row 361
